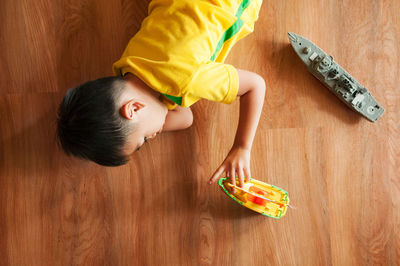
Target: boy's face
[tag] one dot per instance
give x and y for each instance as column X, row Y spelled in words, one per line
column 147, row 111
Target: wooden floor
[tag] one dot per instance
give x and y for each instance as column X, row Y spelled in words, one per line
column 341, row 171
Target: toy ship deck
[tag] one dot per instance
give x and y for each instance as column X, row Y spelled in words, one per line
column 333, row 76
column 258, row 196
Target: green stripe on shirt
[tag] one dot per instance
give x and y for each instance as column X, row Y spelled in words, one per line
column 177, row 100
column 232, row 29
column 229, row 33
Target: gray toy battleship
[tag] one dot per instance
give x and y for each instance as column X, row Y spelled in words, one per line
column 333, row 76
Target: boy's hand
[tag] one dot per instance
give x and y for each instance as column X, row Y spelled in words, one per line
column 251, row 91
column 237, row 163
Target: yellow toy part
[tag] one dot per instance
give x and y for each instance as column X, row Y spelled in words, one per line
column 258, row 196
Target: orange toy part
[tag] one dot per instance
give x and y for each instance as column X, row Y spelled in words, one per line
column 255, row 199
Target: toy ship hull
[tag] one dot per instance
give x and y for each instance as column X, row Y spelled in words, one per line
column 333, row 76
column 258, row 196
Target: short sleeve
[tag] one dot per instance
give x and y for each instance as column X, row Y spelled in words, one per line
column 214, row 81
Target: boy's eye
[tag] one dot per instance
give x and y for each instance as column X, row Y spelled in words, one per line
column 145, row 139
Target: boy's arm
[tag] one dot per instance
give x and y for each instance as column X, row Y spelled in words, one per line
column 179, row 118
column 237, row 162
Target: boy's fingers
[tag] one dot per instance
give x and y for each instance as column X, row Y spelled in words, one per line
column 216, row 175
column 233, row 179
column 241, row 177
column 248, row 174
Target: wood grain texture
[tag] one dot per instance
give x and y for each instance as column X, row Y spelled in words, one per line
column 341, row 171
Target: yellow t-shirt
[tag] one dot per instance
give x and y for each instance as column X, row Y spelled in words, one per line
column 181, row 45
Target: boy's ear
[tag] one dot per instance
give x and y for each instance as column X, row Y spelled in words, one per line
column 129, row 109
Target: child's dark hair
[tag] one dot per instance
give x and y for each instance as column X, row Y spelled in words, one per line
column 89, row 125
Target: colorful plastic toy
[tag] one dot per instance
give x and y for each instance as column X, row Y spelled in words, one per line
column 258, row 196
